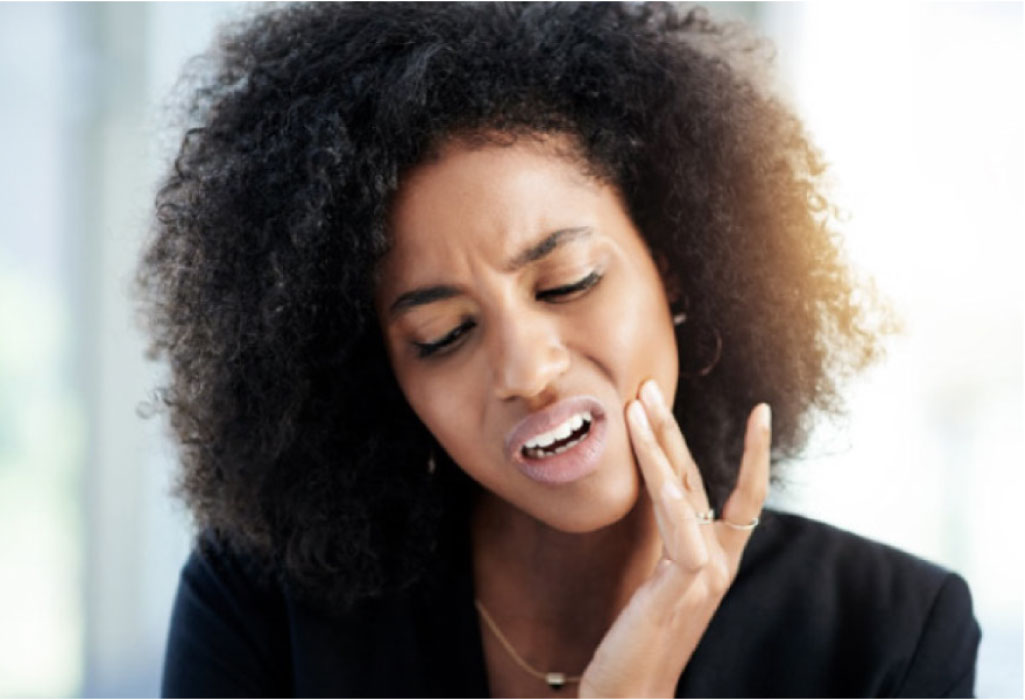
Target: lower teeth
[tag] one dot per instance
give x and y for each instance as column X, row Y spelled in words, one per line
column 539, row 452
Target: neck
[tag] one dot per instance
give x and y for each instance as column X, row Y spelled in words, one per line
column 552, row 593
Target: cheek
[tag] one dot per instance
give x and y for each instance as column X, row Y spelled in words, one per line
column 446, row 403
column 637, row 342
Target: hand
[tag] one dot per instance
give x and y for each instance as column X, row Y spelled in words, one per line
column 650, row 643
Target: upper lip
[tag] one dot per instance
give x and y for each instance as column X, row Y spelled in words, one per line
column 543, row 421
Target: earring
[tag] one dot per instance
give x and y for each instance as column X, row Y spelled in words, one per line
column 698, row 337
column 681, row 302
column 432, row 466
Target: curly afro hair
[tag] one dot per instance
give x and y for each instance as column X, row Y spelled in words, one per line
column 296, row 444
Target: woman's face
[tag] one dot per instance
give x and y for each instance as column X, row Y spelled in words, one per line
column 521, row 310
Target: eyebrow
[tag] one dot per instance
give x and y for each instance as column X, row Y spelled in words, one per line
column 533, row 253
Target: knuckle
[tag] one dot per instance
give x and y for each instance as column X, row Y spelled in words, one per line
column 686, row 557
column 700, row 558
column 713, row 582
column 719, row 576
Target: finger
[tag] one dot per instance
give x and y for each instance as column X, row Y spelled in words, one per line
column 670, row 437
column 675, row 516
column 748, row 496
column 673, row 443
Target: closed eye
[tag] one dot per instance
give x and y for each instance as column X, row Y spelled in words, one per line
column 556, row 295
column 434, row 346
column 569, row 291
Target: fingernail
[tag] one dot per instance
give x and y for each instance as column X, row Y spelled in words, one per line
column 765, row 417
column 636, row 414
column 651, row 395
column 671, row 492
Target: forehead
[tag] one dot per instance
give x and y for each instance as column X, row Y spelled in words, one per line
column 488, row 201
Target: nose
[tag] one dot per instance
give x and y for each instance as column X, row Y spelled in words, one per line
column 528, row 355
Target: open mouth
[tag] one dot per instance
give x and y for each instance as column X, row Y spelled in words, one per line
column 563, row 437
column 562, row 443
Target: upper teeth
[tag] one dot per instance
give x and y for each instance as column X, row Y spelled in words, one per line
column 559, row 432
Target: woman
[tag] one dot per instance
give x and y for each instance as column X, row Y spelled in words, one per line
column 475, row 315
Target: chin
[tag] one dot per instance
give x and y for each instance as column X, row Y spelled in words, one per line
column 598, row 502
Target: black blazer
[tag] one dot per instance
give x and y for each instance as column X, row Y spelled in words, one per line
column 814, row 611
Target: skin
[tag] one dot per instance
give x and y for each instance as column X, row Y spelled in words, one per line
column 611, row 572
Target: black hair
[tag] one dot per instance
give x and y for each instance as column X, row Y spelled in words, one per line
column 296, row 443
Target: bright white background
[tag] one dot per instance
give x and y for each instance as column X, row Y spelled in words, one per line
column 918, row 108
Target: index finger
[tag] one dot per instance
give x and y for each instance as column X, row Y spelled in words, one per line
column 675, row 445
column 677, row 521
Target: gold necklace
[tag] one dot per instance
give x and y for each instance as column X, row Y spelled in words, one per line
column 554, row 679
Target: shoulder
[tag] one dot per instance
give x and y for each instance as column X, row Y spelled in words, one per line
column 228, row 627
column 240, row 629
column 824, row 611
column 818, row 558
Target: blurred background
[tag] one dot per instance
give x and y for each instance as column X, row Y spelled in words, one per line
column 918, row 108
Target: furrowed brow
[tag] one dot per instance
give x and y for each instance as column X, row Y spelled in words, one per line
column 546, row 245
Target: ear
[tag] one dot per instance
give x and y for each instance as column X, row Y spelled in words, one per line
column 670, row 280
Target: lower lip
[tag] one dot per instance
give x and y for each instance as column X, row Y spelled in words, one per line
column 565, row 467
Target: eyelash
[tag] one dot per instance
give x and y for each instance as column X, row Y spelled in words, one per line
column 425, row 350
column 580, row 286
column 428, row 349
